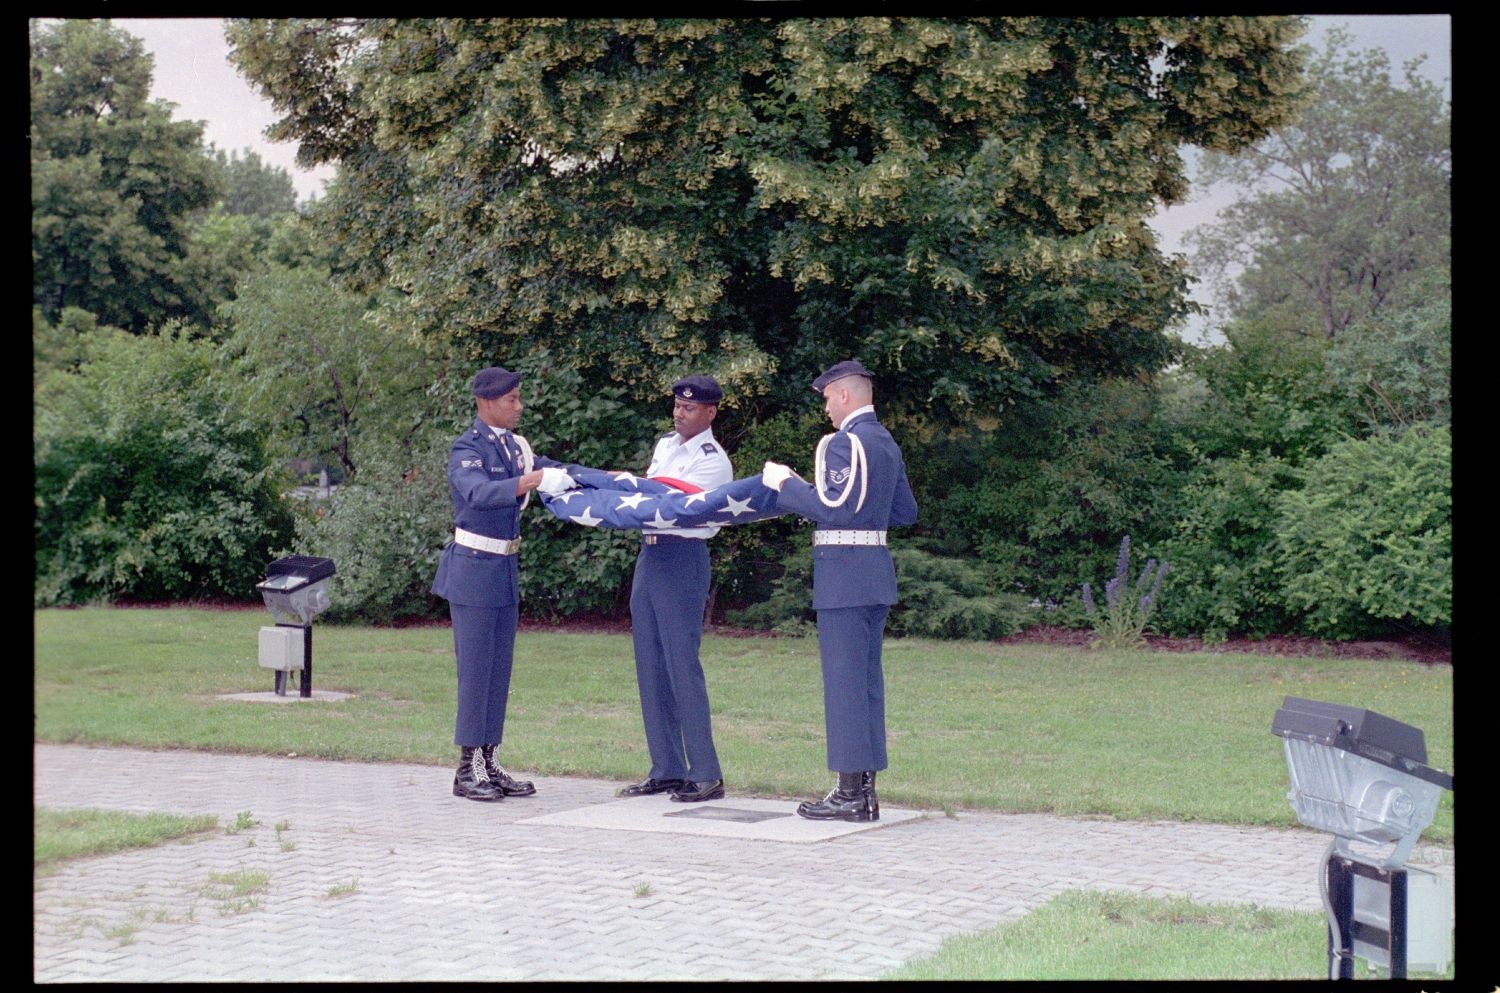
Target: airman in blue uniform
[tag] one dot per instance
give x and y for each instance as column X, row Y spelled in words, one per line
column 491, row 473
column 859, row 490
column 667, row 601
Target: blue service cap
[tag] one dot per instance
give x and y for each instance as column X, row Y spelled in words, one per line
column 837, row 371
column 699, row 389
column 495, row 382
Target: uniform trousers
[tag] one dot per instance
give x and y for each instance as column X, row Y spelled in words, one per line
column 667, row 598
column 849, row 641
column 484, row 642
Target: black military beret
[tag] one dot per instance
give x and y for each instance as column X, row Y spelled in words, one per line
column 699, row 389
column 495, row 382
column 839, row 370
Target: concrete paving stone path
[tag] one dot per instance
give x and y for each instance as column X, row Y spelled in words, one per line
column 358, row 872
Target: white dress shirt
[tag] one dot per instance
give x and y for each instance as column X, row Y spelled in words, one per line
column 699, row 460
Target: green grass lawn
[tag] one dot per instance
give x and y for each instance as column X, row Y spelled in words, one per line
column 972, row 725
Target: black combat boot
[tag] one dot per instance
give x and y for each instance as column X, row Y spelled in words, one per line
column 868, row 783
column 845, row 802
column 470, row 782
column 501, row 779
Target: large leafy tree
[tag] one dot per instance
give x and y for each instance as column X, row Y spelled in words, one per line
column 114, row 181
column 233, row 241
column 1342, row 209
column 307, row 362
column 957, row 202
column 253, row 187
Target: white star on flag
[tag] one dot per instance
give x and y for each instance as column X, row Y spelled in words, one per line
column 659, row 523
column 694, row 498
column 623, row 476
column 633, row 501
column 563, row 497
column 588, row 520
column 738, row 507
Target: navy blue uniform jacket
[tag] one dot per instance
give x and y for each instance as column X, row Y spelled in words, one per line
column 855, row 575
column 482, row 480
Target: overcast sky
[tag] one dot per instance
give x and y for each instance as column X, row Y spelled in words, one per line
column 193, row 72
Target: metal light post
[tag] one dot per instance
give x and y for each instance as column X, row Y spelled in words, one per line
column 1364, row 777
column 295, row 590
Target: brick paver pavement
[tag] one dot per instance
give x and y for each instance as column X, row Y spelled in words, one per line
column 376, row 873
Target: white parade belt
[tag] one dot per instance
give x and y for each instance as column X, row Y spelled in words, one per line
column 848, row 537
column 495, row 546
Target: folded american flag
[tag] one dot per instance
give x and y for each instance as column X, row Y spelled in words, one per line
column 639, row 503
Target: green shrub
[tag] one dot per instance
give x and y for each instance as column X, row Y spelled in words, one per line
column 1224, row 577
column 1269, row 393
column 384, row 531
column 1398, row 364
column 568, row 570
column 952, row 598
column 148, row 485
column 939, row 598
column 1243, row 417
column 1368, row 540
column 788, row 608
column 1042, row 497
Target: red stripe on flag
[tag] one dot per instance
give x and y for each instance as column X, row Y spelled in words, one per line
column 682, row 485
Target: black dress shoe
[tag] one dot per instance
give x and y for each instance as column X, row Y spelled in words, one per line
column 690, row 792
column 504, row 782
column 839, row 806
column 471, row 789
column 848, row 801
column 469, row 781
column 650, row 787
column 509, row 785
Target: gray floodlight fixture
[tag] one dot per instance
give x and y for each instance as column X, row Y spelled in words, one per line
column 295, row 589
column 1364, row 777
column 1359, row 775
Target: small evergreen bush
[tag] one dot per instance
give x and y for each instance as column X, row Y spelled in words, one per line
column 941, row 598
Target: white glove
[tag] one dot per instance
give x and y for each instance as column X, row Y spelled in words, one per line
column 555, row 481
column 773, row 474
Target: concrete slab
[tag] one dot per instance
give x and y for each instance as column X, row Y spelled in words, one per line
column 744, row 818
column 292, row 696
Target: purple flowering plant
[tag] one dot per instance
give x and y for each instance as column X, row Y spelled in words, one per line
column 1127, row 609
